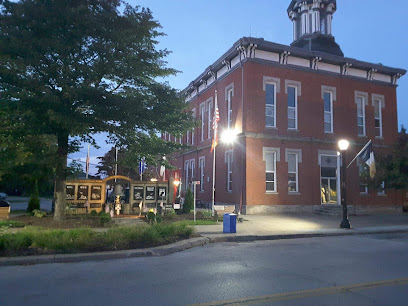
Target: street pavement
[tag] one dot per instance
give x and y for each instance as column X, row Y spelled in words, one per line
column 21, row 203
column 348, row 270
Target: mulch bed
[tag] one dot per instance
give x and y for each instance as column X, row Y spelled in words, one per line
column 69, row 222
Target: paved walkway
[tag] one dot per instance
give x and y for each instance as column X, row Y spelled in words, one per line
column 301, row 224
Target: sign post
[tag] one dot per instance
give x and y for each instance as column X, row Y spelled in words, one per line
column 195, row 183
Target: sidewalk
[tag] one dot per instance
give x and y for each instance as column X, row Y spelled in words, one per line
column 307, row 225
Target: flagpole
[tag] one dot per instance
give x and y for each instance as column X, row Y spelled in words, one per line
column 215, row 135
column 87, row 163
column 368, row 143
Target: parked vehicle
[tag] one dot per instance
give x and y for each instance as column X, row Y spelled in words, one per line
column 3, row 195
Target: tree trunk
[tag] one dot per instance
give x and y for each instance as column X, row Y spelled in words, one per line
column 61, row 172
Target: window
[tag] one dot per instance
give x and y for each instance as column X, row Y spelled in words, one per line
column 188, row 137
column 229, row 112
column 292, row 107
column 228, row 160
column 186, row 171
column 270, row 157
column 361, row 115
column 192, row 167
column 270, row 106
column 270, row 169
column 292, row 159
column 202, row 110
column 328, row 112
column 202, row 165
column 210, row 118
column 378, row 118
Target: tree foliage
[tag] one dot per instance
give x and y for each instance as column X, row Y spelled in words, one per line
column 72, row 68
column 393, row 168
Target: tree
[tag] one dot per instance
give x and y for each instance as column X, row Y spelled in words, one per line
column 72, row 68
column 393, row 168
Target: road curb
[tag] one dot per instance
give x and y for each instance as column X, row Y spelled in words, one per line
column 183, row 245
column 99, row 256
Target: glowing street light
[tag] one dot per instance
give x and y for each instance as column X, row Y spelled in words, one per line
column 229, row 136
column 343, row 146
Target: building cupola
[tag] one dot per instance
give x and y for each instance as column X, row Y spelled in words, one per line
column 312, row 25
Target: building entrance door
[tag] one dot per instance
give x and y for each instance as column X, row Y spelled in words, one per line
column 329, row 182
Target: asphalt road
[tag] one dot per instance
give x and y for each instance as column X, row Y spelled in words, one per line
column 350, row 270
column 21, row 203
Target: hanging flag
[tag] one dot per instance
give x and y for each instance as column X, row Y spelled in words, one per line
column 367, row 155
column 215, row 123
column 162, row 171
column 87, row 163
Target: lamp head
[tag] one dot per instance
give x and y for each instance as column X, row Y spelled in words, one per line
column 343, row 144
column 229, row 136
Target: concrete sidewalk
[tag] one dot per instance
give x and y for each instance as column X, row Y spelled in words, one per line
column 303, row 225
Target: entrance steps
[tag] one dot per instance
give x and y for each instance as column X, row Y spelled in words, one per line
column 330, row 210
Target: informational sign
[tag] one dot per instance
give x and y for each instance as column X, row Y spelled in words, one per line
column 150, row 191
column 82, row 192
column 176, row 206
column 138, row 193
column 161, row 193
column 96, row 192
column 70, row 192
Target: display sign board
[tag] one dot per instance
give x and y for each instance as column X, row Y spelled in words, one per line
column 82, row 192
column 161, row 193
column 70, row 192
column 138, row 192
column 150, row 192
column 96, row 192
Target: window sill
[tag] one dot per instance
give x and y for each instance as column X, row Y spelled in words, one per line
column 329, row 133
column 363, row 194
column 381, row 194
column 271, row 192
column 379, row 137
column 271, row 127
column 362, row 136
column 293, row 130
column 294, row 193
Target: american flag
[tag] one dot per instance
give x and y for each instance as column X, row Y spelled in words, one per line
column 87, row 163
column 215, row 123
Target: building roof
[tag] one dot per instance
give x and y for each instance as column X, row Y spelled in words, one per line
column 264, row 45
column 295, row 3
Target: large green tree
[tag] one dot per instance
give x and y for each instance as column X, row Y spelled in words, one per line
column 72, row 68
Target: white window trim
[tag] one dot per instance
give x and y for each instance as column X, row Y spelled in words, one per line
column 188, row 137
column 192, row 168
column 210, row 111
column 275, row 84
column 276, row 152
column 298, row 153
column 229, row 111
column 296, row 173
column 381, row 102
column 193, row 130
column 364, row 98
column 202, row 113
column 201, row 162
column 229, row 159
column 296, row 109
column 186, row 172
column 331, row 113
column 333, row 97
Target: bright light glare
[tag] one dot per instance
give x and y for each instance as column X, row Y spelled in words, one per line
column 343, row 144
column 229, row 136
column 153, row 180
column 176, row 183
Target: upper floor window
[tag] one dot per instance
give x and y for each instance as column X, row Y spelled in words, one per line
column 201, row 165
column 202, row 112
column 209, row 118
column 193, row 131
column 328, row 112
column 229, row 111
column 378, row 103
column 270, row 105
column 192, row 168
column 186, row 172
column 292, row 107
column 361, row 101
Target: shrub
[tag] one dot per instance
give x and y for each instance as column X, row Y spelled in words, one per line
column 38, row 213
column 93, row 213
column 151, row 217
column 158, row 218
column 34, row 203
column 170, row 213
column 206, row 214
column 104, row 219
column 188, row 202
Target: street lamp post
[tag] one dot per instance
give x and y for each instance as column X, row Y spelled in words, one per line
column 343, row 146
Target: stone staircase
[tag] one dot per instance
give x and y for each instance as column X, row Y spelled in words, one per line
column 330, row 210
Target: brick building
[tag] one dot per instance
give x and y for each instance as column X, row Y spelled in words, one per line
column 289, row 106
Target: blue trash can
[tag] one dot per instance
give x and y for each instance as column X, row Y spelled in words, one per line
column 230, row 223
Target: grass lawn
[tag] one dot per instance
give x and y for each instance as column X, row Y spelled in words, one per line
column 11, row 223
column 200, row 222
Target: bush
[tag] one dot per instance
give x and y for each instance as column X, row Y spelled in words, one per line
column 38, row 213
column 188, row 202
column 170, row 213
column 93, row 213
column 34, row 203
column 104, row 219
column 206, row 214
column 151, row 217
